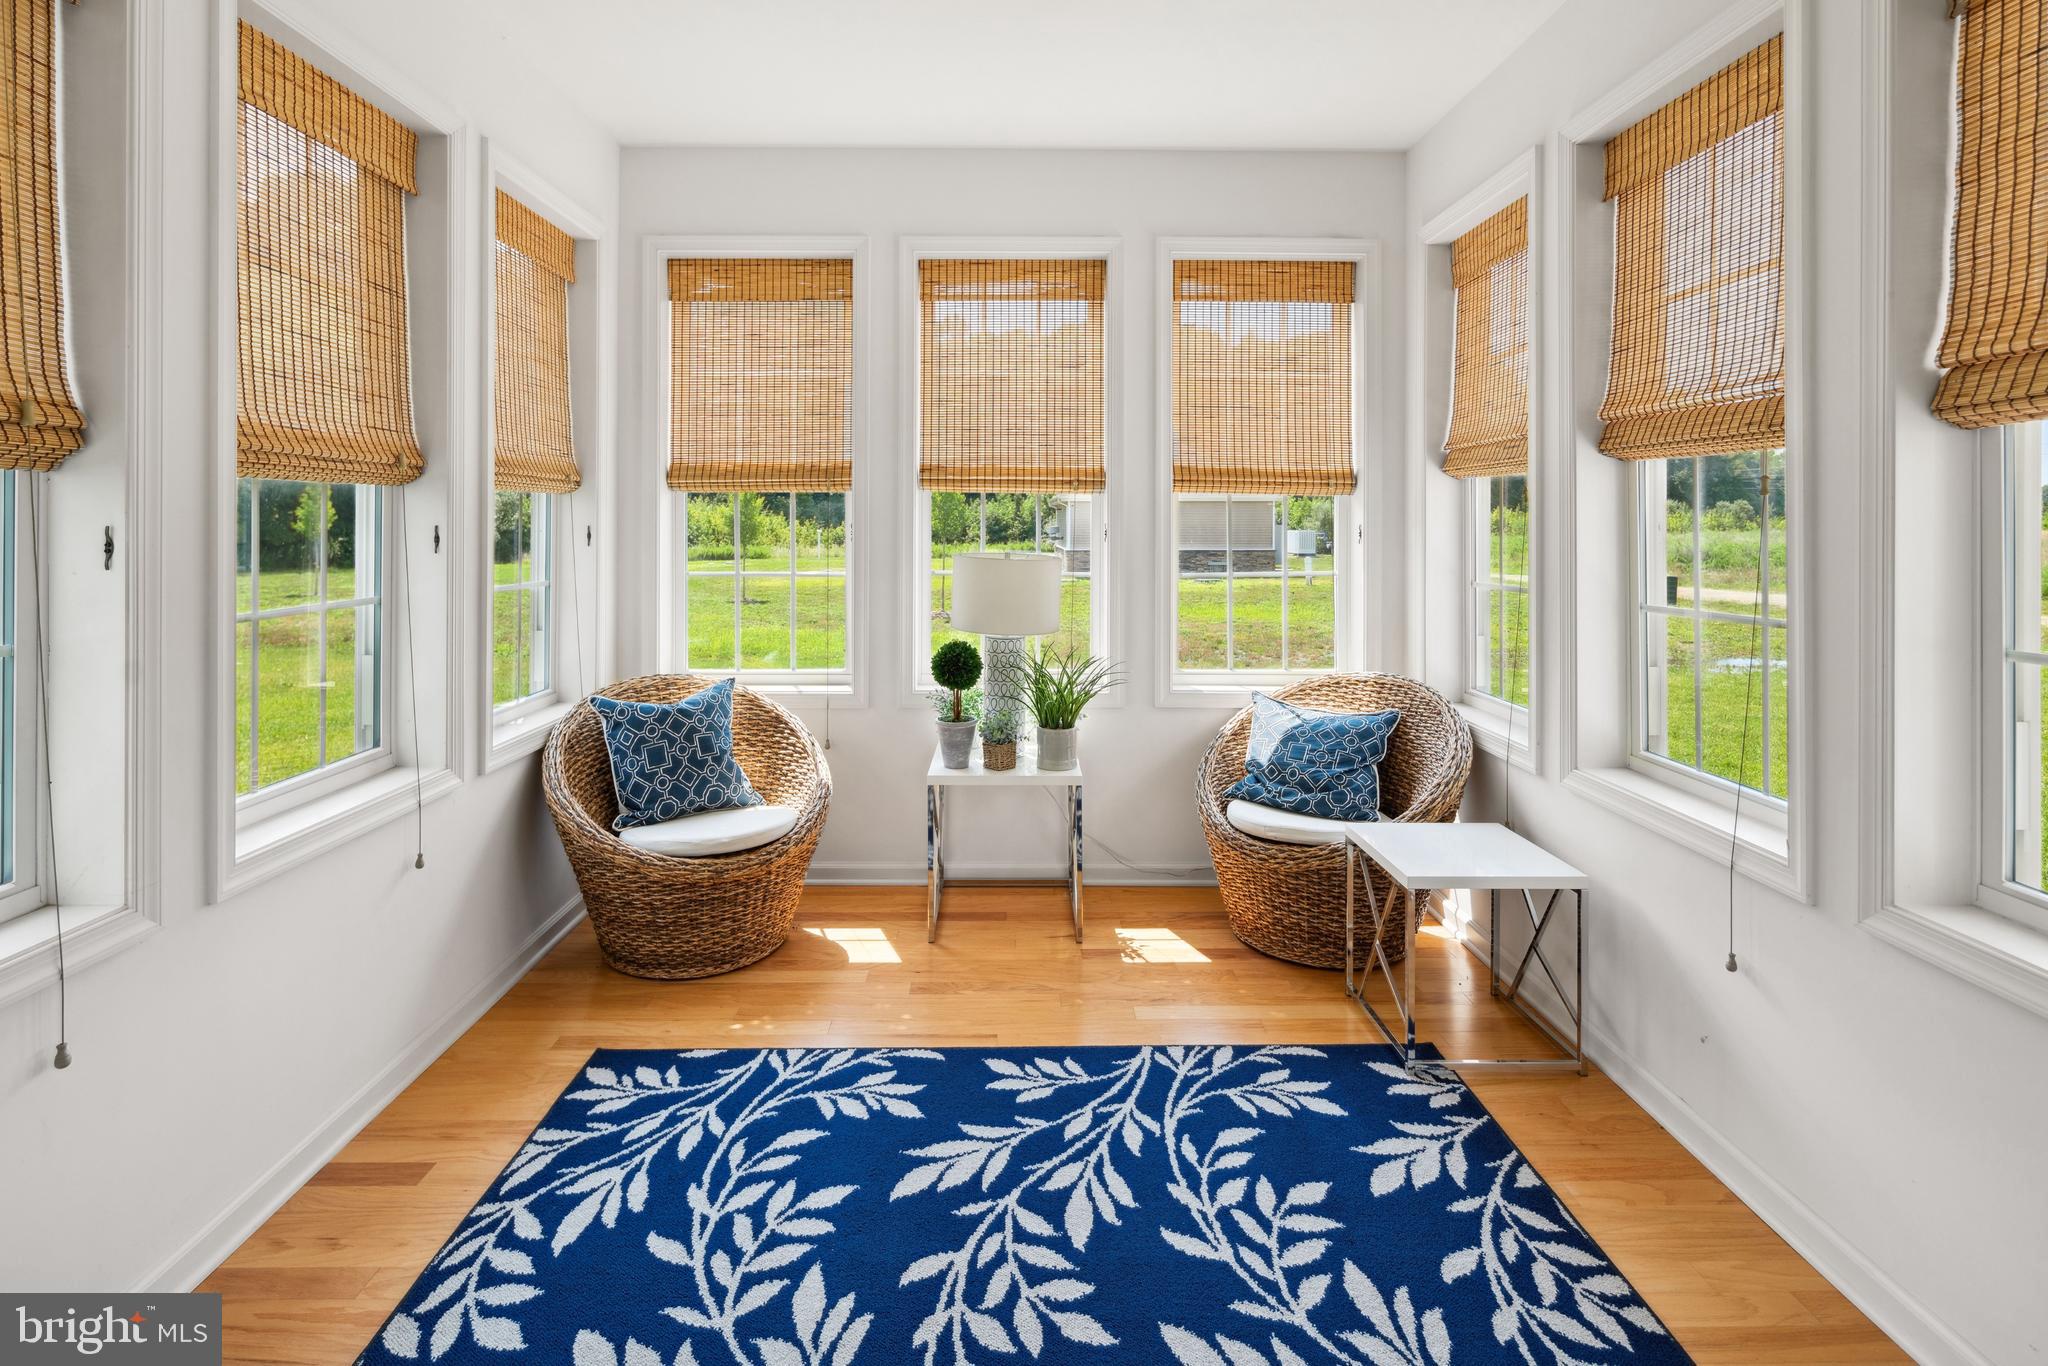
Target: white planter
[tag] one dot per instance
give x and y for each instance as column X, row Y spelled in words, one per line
column 1058, row 750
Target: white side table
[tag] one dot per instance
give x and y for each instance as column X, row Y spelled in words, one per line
column 939, row 782
column 1466, row 856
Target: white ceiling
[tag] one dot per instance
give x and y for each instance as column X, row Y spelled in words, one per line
column 1026, row 73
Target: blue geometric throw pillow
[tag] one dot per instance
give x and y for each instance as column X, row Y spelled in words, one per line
column 1324, row 766
column 673, row 759
column 1271, row 719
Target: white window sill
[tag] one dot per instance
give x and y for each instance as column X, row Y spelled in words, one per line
column 269, row 846
column 1491, row 731
column 1762, row 848
column 1993, row 951
column 28, row 944
column 522, row 733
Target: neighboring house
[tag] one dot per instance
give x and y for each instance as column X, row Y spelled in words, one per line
column 1253, row 525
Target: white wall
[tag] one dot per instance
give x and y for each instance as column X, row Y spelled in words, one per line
column 1885, row 1115
column 210, row 1055
column 1140, row 758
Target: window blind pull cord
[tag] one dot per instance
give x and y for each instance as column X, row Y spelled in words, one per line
column 1507, row 756
column 1763, row 579
column 412, row 683
column 35, row 558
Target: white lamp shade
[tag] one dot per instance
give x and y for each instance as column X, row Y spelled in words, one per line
column 996, row 593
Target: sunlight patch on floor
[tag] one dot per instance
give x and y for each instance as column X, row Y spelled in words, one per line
column 1156, row 946
column 868, row 945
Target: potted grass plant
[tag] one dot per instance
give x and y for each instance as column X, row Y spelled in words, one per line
column 956, row 667
column 998, row 738
column 1058, row 687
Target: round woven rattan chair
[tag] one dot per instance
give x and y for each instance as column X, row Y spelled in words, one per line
column 661, row 916
column 1287, row 900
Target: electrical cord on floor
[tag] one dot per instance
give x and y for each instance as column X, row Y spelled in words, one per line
column 1119, row 858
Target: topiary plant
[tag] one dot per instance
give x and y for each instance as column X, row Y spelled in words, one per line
column 956, row 667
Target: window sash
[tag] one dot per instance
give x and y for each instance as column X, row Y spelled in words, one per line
column 1486, row 666
column 533, row 644
column 838, row 628
column 928, row 573
column 373, row 666
column 1234, row 673
column 1650, row 665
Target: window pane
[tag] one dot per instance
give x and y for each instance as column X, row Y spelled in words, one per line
column 1255, row 617
column 1200, row 628
column 508, row 638
column 243, row 679
column 1310, row 568
column 508, row 543
column 1507, row 551
column 342, row 503
column 1507, row 628
column 1668, row 697
column 1068, row 529
column 764, row 531
column 1670, row 539
column 351, row 688
column 2029, row 776
column 291, row 681
column 1781, row 713
column 708, row 560
column 290, row 522
column 820, row 552
column 764, row 622
column 2029, row 531
column 1732, row 701
column 245, row 525
column 1731, row 530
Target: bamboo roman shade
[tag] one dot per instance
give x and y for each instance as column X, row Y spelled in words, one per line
column 40, row 421
column 325, row 388
column 1010, row 375
column 761, row 375
column 1698, row 363
column 1262, row 376
column 1489, row 430
column 533, row 450
column 1994, row 349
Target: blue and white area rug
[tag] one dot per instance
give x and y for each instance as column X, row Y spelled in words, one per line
column 1207, row 1206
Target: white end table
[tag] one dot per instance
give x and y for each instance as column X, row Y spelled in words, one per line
column 938, row 784
column 1465, row 856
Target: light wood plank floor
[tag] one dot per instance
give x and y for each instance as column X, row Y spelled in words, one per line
column 316, row 1280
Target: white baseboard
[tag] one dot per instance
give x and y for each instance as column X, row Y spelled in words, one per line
column 208, row 1248
column 1910, row 1324
column 1107, row 874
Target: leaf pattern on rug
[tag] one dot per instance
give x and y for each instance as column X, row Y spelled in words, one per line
column 1207, row 1205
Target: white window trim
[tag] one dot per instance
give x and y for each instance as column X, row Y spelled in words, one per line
column 1232, row 689
column 802, row 691
column 1499, row 727
column 92, row 933
column 1911, row 894
column 509, row 733
column 1102, row 623
column 1599, row 665
column 299, row 825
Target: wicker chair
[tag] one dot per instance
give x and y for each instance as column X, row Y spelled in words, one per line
column 661, row 916
column 1287, row 900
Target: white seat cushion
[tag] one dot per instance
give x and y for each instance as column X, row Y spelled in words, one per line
column 1288, row 827
column 714, row 832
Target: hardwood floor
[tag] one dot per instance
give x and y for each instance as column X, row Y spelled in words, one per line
column 315, row 1281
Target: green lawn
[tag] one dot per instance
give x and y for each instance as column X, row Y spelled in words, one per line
column 1253, row 620
column 1729, row 681
column 294, row 677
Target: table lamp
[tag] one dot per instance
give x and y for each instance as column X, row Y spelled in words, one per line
column 1005, row 596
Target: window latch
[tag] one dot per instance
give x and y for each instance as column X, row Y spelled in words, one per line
column 586, row 534
column 107, row 550
column 437, row 538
